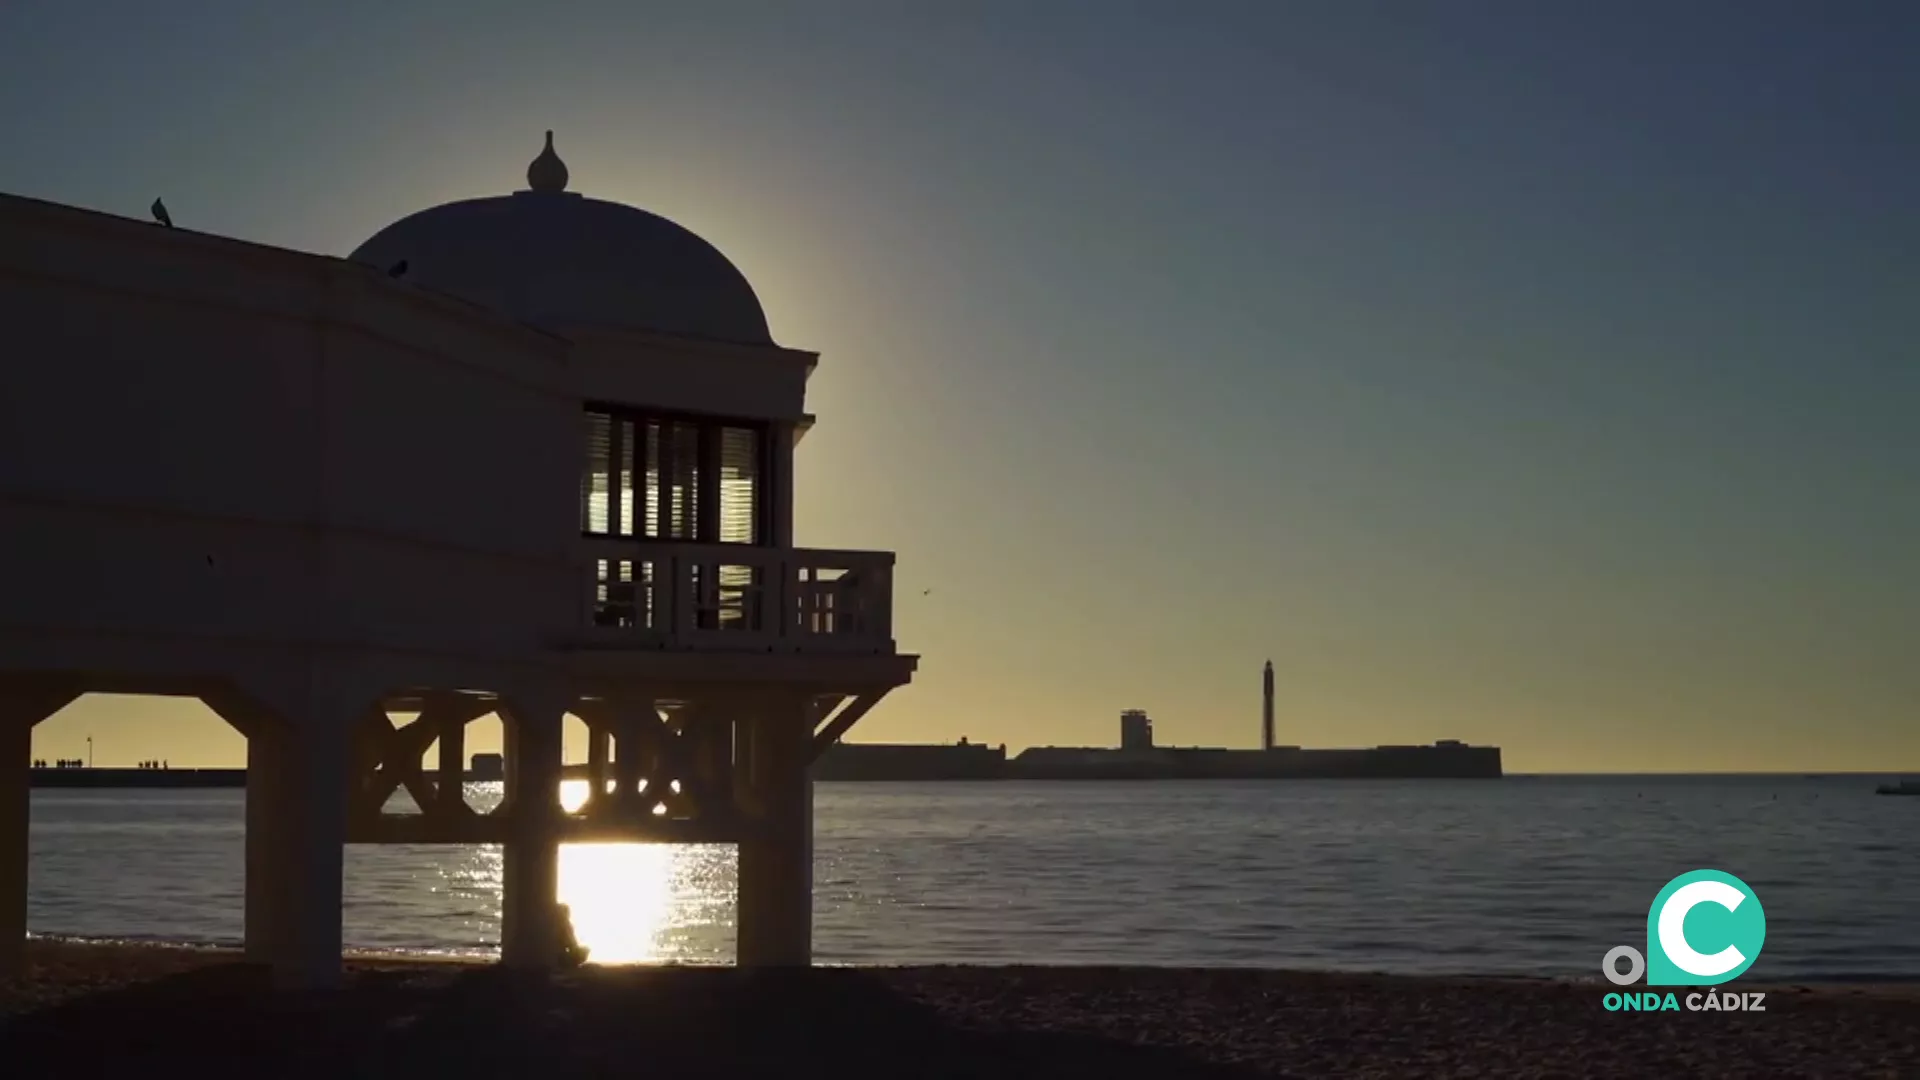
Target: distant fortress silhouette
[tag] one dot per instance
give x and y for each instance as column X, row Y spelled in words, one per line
column 1137, row 758
column 1447, row 759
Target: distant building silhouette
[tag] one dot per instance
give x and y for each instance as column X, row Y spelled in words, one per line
column 1266, row 708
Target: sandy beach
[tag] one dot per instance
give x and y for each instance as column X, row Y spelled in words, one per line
column 92, row 1010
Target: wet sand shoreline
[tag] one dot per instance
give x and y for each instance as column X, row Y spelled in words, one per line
column 95, row 1009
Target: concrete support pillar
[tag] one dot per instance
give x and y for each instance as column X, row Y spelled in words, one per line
column 530, row 878
column 296, row 847
column 775, row 901
column 260, row 933
column 300, row 728
column 16, row 749
column 21, row 707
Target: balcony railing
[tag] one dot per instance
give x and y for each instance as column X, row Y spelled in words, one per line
column 737, row 597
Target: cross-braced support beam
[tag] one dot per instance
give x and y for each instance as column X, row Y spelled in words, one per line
column 654, row 765
column 831, row 725
column 387, row 758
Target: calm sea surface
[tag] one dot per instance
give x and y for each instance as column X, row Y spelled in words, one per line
column 1530, row 875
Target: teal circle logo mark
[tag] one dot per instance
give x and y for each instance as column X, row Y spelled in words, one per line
column 1705, row 928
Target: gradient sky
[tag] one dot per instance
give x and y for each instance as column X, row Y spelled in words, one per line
column 1539, row 373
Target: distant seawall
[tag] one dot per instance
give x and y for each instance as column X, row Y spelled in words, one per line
column 160, row 779
column 898, row 762
column 139, row 778
column 925, row 763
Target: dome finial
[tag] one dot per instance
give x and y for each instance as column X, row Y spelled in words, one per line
column 547, row 173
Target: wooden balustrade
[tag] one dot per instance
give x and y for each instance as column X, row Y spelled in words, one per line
column 643, row 594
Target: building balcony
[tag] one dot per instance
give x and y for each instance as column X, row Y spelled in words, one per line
column 646, row 594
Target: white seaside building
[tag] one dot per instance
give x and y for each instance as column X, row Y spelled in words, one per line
column 530, row 455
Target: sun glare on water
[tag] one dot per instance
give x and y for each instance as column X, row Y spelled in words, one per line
column 638, row 903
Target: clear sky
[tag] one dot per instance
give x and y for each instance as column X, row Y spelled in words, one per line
column 1533, row 373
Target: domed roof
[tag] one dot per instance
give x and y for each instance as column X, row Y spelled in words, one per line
column 555, row 259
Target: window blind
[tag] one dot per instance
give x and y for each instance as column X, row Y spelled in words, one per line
column 674, row 478
column 740, row 486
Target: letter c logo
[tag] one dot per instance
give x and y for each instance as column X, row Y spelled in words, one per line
column 1673, row 934
column 1738, row 928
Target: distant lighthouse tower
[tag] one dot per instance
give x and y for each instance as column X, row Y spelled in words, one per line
column 1266, row 709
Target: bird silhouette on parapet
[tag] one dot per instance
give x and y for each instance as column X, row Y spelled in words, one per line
column 160, row 213
column 398, row 269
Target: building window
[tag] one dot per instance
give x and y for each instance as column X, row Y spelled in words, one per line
column 663, row 477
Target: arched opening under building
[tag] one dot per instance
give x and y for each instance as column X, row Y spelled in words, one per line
column 438, row 898
column 165, row 860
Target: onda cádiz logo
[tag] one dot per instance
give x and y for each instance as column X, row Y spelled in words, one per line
column 1704, row 928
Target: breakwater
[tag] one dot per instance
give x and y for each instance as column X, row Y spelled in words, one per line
column 973, row 761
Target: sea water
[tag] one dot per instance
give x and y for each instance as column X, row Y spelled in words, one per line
column 1527, row 875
